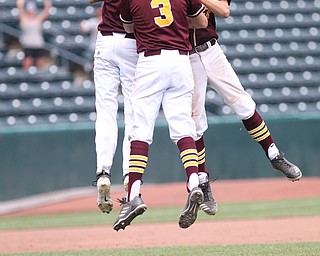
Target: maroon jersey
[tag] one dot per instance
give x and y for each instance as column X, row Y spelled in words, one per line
column 110, row 18
column 202, row 35
column 160, row 24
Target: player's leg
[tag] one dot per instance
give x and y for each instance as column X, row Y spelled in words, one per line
column 177, row 108
column 146, row 101
column 128, row 58
column 134, row 205
column 177, row 101
column 106, row 81
column 259, row 131
column 140, row 136
column 224, row 80
column 199, row 95
column 209, row 205
column 189, row 158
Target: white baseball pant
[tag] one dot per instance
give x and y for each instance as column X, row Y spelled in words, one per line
column 115, row 61
column 212, row 68
column 165, row 80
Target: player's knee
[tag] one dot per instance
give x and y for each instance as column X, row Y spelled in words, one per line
column 244, row 107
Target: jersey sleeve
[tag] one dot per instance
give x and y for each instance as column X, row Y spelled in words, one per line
column 125, row 14
column 195, row 7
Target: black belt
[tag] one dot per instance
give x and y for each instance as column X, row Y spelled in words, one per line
column 203, row 47
column 128, row 35
column 158, row 52
column 106, row 33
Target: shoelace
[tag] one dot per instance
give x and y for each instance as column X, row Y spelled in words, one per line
column 281, row 161
column 205, row 186
column 122, row 201
column 211, row 181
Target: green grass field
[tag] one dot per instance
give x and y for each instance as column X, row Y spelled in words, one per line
column 227, row 211
column 302, row 207
column 289, row 249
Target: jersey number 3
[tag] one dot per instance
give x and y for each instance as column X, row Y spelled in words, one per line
column 166, row 17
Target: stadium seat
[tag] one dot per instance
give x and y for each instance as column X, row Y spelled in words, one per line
column 274, row 47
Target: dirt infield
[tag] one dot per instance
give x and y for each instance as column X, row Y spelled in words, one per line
column 169, row 234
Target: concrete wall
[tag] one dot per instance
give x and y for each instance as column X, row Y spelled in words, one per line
column 44, row 159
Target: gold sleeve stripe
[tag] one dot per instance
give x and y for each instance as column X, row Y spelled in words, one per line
column 188, row 151
column 257, row 128
column 139, row 157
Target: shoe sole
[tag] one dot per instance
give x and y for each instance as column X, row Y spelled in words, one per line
column 291, row 179
column 295, row 179
column 122, row 223
column 104, row 201
column 189, row 215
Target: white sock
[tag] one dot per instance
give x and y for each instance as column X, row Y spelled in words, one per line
column 273, row 151
column 193, row 181
column 135, row 189
column 203, row 177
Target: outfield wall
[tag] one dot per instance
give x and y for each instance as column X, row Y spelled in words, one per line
column 45, row 159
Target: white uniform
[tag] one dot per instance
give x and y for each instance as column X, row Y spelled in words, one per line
column 165, row 80
column 211, row 67
column 114, row 65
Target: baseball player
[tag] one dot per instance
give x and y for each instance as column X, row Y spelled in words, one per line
column 163, row 78
column 115, row 61
column 211, row 67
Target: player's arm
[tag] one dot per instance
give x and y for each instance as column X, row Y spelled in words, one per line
column 125, row 16
column 127, row 23
column 128, row 27
column 218, row 7
column 199, row 20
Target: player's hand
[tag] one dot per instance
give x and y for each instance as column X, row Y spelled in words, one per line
column 207, row 13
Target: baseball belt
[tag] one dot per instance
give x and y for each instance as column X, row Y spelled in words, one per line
column 108, row 33
column 158, row 52
column 203, row 47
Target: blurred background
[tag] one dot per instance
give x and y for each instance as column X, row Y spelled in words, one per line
column 47, row 113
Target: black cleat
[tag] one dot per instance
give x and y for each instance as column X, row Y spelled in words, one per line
column 128, row 212
column 281, row 164
column 209, row 205
column 190, row 212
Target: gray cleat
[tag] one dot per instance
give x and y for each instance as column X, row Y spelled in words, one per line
column 281, row 164
column 209, row 205
column 190, row 212
column 128, row 212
